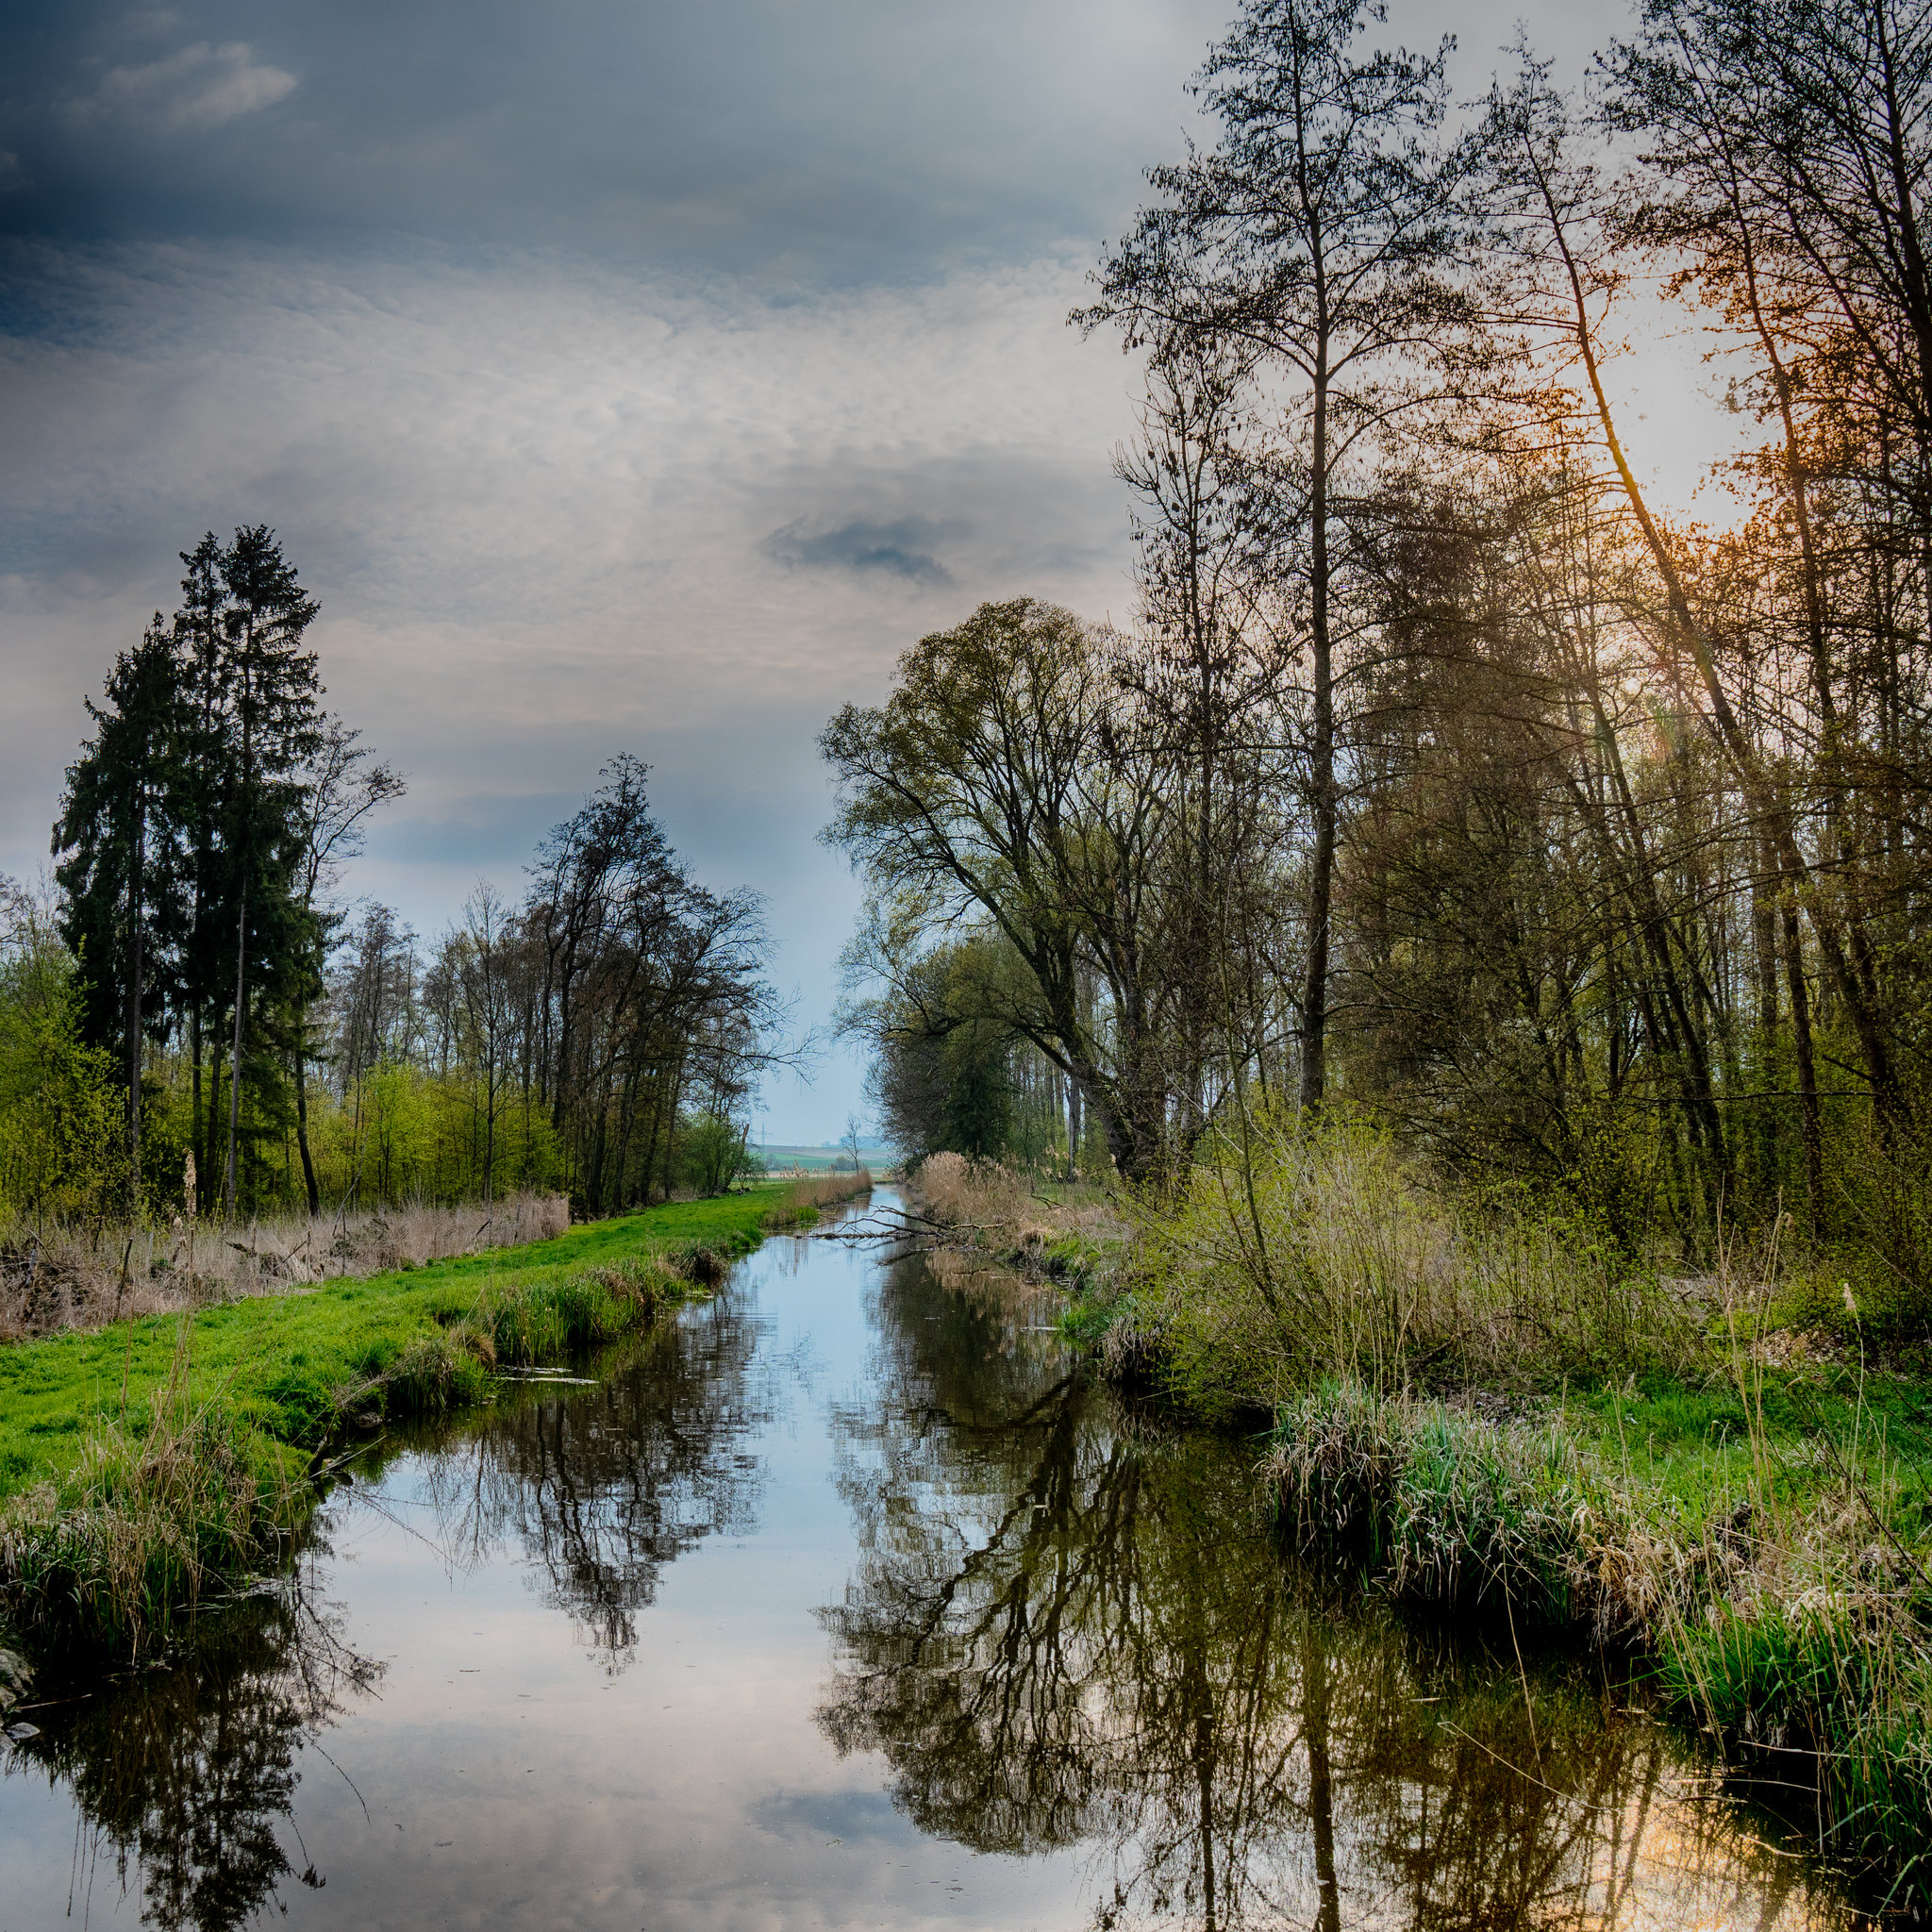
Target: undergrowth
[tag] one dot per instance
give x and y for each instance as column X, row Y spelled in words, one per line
column 1499, row 1415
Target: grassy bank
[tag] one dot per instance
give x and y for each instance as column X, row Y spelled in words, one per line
column 1765, row 1548
column 1497, row 1416
column 147, row 1462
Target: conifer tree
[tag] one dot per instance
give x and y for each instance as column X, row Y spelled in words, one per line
column 121, row 879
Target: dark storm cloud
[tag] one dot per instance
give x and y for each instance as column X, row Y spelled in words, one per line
column 851, row 139
column 900, row 549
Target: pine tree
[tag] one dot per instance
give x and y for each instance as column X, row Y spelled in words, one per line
column 185, row 825
column 274, row 726
column 122, row 879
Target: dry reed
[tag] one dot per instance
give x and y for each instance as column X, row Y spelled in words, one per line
column 982, row 1204
column 71, row 1277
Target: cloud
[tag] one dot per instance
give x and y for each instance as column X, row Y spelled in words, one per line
column 198, row 87
column 826, row 146
column 535, row 498
column 901, row 549
column 12, row 176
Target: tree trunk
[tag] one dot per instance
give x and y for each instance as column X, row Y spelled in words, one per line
column 212, row 1136
column 1314, row 1081
column 235, row 1060
column 1807, row 1076
column 1764, row 946
column 134, row 977
column 302, row 1116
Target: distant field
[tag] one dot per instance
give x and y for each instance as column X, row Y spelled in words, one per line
column 822, row 1159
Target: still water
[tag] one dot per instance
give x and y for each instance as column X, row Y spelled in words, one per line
column 847, row 1600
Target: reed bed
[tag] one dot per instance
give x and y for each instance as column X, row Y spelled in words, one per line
column 67, row 1277
column 1071, row 1233
column 807, row 1197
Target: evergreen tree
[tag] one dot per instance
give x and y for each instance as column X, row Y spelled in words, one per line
column 121, row 879
column 184, row 828
column 274, row 726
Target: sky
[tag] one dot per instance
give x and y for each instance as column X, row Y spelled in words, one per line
column 620, row 376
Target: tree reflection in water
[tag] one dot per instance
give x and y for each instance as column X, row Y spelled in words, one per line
column 1069, row 1629
column 607, row 1486
column 187, row 1777
column 184, row 1775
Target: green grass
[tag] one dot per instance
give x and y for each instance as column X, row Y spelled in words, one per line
column 1699, row 1450
column 281, row 1363
column 1765, row 1548
column 147, row 1465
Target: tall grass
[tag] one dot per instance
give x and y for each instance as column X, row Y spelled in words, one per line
column 74, row 1276
column 163, row 1504
column 971, row 1194
column 545, row 1320
column 1790, row 1622
column 1069, row 1233
column 1298, row 1252
column 804, row 1198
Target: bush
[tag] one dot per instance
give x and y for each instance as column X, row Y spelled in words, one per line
column 1301, row 1253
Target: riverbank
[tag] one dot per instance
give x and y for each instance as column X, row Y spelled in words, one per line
column 150, row 1462
column 1726, row 1478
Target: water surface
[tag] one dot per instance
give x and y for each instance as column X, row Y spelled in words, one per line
column 847, row 1600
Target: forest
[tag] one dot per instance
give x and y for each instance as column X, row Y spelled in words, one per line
column 198, row 1020
column 1445, row 777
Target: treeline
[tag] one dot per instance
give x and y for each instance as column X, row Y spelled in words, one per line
column 1441, row 772
column 603, row 1036
column 199, row 1022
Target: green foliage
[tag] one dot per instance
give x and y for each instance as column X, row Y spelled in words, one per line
column 439, row 1370
column 1450, row 1512
column 994, row 786
column 62, row 1151
column 1293, row 1253
column 544, row 1320
column 712, row 1152
column 1734, row 1541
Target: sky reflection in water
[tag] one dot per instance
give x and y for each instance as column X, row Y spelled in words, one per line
column 848, row 1602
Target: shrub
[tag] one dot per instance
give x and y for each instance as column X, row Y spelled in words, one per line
column 1299, row 1253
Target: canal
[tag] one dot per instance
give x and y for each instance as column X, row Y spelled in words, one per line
column 848, row 1599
